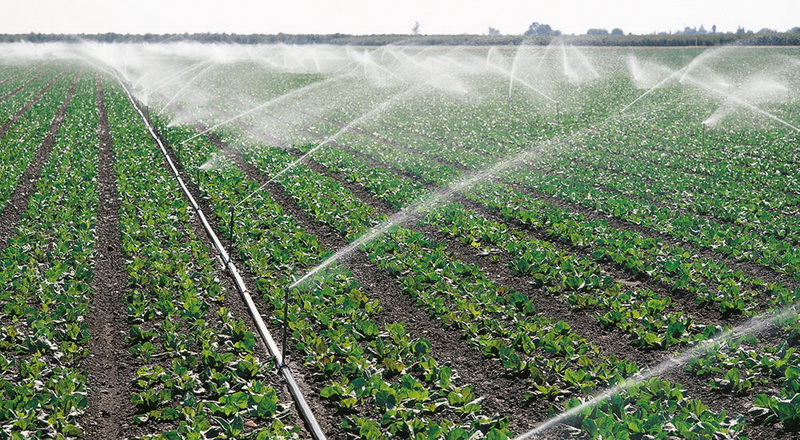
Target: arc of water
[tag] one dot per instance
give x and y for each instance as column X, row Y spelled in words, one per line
column 375, row 111
column 741, row 102
column 753, row 325
column 267, row 104
column 512, row 79
column 413, row 210
column 166, row 80
column 651, row 89
column 185, row 86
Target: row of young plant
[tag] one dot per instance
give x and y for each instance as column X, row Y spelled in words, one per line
column 503, row 324
column 750, row 206
column 727, row 239
column 709, row 280
column 45, row 277
column 581, row 281
column 18, row 146
column 744, row 365
column 198, row 373
column 383, row 382
column 13, row 82
column 764, row 250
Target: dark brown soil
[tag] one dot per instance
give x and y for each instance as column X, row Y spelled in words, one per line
column 110, row 364
column 18, row 203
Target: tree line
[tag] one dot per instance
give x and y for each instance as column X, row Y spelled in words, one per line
column 595, row 39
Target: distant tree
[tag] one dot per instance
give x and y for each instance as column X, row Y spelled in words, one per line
column 767, row 31
column 795, row 29
column 617, row 31
column 493, row 31
column 541, row 29
column 713, row 29
column 597, row 32
column 415, row 29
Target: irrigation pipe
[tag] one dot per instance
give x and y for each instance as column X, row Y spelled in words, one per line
column 276, row 353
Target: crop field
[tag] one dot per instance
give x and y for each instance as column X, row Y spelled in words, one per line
column 268, row 242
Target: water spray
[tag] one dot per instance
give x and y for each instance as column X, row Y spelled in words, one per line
column 185, row 86
column 376, row 110
column 753, row 325
column 266, row 104
column 741, row 102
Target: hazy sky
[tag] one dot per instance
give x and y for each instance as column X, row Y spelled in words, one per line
column 390, row 16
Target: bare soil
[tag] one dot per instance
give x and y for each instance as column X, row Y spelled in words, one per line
column 110, row 365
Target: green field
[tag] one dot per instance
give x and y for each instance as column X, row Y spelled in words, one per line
column 463, row 242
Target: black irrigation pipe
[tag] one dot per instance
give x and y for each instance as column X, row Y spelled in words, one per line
column 277, row 354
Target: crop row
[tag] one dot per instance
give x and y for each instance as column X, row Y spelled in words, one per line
column 198, row 375
column 45, row 284
column 707, row 279
column 385, row 382
column 458, row 293
column 18, row 146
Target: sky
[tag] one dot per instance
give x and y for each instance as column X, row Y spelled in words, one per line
column 363, row 17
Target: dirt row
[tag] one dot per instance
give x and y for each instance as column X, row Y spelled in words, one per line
column 110, row 365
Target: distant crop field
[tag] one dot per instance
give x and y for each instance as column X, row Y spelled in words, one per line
column 424, row 243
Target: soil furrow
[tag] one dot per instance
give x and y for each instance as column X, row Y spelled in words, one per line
column 109, row 365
